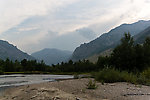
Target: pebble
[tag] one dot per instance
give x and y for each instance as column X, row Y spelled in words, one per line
column 33, row 96
column 78, row 99
column 56, row 98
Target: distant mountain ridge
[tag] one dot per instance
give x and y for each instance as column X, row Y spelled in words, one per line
column 52, row 56
column 108, row 40
column 12, row 52
column 140, row 38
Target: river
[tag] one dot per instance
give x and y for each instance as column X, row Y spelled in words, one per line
column 20, row 79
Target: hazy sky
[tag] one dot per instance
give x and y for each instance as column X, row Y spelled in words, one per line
column 36, row 24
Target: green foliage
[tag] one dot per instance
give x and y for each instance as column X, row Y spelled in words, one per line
column 123, row 56
column 23, row 66
column 80, row 66
column 128, row 56
column 144, row 77
column 91, row 85
column 76, row 76
column 1, row 71
column 33, row 65
column 110, row 75
column 129, row 77
column 104, row 62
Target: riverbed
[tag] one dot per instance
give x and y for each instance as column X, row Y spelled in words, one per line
column 76, row 89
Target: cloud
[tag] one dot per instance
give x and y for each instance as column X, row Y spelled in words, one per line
column 34, row 39
column 27, row 29
column 15, row 11
column 36, row 24
column 147, row 1
column 86, row 33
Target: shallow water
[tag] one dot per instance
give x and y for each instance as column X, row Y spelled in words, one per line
column 19, row 79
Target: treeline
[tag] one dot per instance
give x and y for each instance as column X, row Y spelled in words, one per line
column 70, row 66
column 23, row 66
column 126, row 56
column 33, row 65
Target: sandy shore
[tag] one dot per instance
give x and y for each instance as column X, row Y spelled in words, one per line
column 75, row 89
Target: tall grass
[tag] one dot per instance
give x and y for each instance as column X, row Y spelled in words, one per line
column 110, row 75
column 144, row 77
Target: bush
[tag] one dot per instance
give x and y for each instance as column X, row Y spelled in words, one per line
column 1, row 72
column 144, row 77
column 107, row 75
column 110, row 75
column 129, row 77
column 91, row 85
column 76, row 76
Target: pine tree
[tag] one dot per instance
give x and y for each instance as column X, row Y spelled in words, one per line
column 123, row 56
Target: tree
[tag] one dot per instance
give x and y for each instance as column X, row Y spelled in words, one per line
column 139, row 57
column 24, row 64
column 8, row 66
column 146, row 47
column 104, row 62
column 123, row 56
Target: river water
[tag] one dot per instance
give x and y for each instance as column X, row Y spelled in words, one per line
column 19, row 79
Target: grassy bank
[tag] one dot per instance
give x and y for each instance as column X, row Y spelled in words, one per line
column 110, row 75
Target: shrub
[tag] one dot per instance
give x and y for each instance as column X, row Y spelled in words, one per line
column 110, row 75
column 91, row 85
column 144, row 77
column 76, row 76
column 107, row 75
column 1, row 72
column 129, row 77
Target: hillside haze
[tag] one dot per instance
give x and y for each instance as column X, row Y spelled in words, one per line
column 108, row 40
column 52, row 56
column 139, row 38
column 12, row 52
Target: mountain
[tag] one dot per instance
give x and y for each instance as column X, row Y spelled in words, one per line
column 52, row 56
column 94, row 58
column 108, row 40
column 12, row 52
column 139, row 38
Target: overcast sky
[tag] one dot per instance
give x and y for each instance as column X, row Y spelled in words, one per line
column 35, row 24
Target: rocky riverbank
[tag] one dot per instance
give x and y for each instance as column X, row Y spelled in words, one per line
column 75, row 89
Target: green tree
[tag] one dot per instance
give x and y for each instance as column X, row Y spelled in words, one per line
column 104, row 62
column 146, row 47
column 123, row 56
column 139, row 57
column 24, row 64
